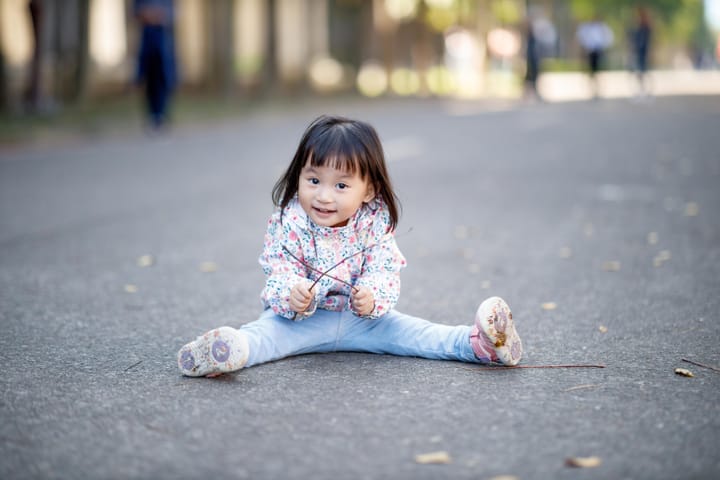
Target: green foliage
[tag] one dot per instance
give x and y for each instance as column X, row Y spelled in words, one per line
column 506, row 11
column 665, row 9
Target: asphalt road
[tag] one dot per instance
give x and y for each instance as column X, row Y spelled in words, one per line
column 606, row 211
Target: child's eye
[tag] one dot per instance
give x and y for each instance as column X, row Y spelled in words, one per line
column 314, row 181
column 342, row 186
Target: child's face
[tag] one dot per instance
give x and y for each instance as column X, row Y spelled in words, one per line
column 330, row 196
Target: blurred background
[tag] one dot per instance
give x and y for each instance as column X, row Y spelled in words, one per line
column 83, row 62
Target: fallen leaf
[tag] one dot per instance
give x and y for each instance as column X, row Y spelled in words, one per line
column 603, row 329
column 661, row 258
column 549, row 306
column 611, row 266
column 583, row 462
column 565, row 252
column 684, row 372
column 440, row 457
column 580, row 387
column 130, row 288
column 208, row 267
column 146, row 261
column 692, row 209
column 462, row 232
column 652, row 238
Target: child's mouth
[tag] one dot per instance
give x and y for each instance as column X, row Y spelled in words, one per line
column 323, row 211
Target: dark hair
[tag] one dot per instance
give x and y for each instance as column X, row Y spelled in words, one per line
column 348, row 145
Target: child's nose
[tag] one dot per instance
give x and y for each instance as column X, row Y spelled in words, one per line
column 323, row 194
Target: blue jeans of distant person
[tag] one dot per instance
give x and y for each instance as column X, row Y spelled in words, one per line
column 273, row 337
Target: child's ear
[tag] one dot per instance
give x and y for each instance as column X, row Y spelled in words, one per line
column 370, row 193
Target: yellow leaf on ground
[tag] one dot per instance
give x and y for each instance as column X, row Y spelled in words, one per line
column 603, row 329
column 208, row 267
column 549, row 306
column 462, row 232
column 440, row 457
column 692, row 209
column 611, row 266
column 652, row 238
column 684, row 372
column 583, row 462
column 146, row 261
column 130, row 288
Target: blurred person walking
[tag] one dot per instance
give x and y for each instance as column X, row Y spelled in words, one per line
column 156, row 66
column 595, row 38
column 540, row 38
column 640, row 40
column 31, row 95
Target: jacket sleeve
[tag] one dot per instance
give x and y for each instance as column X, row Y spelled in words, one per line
column 282, row 270
column 382, row 262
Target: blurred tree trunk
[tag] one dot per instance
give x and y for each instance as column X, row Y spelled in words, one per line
column 3, row 84
column 270, row 69
column 82, row 60
column 222, row 58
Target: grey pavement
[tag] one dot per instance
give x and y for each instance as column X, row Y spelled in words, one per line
column 608, row 210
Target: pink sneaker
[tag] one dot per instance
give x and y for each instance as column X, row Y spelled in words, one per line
column 218, row 351
column 494, row 338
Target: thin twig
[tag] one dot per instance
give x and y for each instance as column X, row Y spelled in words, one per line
column 502, row 367
column 133, row 365
column 318, row 270
column 715, row 369
column 389, row 236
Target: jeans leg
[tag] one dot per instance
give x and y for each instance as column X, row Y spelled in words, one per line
column 272, row 337
column 400, row 334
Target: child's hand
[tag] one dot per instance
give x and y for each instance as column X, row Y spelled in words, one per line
column 301, row 296
column 362, row 301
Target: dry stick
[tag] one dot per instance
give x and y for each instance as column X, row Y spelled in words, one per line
column 322, row 274
column 133, row 366
column 498, row 368
column 326, row 272
column 715, row 369
column 389, row 237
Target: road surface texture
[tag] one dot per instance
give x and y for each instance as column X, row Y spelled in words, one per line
column 597, row 221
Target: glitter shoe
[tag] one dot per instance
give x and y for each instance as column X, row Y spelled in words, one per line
column 218, row 351
column 494, row 338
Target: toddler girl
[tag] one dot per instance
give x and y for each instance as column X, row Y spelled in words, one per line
column 333, row 270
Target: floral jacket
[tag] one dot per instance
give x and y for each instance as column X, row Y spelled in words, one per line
column 374, row 260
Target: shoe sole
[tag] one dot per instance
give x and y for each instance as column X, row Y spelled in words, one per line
column 218, row 351
column 495, row 319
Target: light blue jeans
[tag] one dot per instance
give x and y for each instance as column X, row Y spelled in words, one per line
column 273, row 337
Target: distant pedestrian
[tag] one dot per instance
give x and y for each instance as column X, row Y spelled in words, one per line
column 640, row 39
column 540, row 38
column 332, row 270
column 595, row 38
column 156, row 66
column 32, row 96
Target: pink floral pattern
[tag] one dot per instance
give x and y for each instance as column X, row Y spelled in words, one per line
column 377, row 268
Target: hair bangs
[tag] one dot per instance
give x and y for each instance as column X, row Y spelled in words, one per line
column 336, row 148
